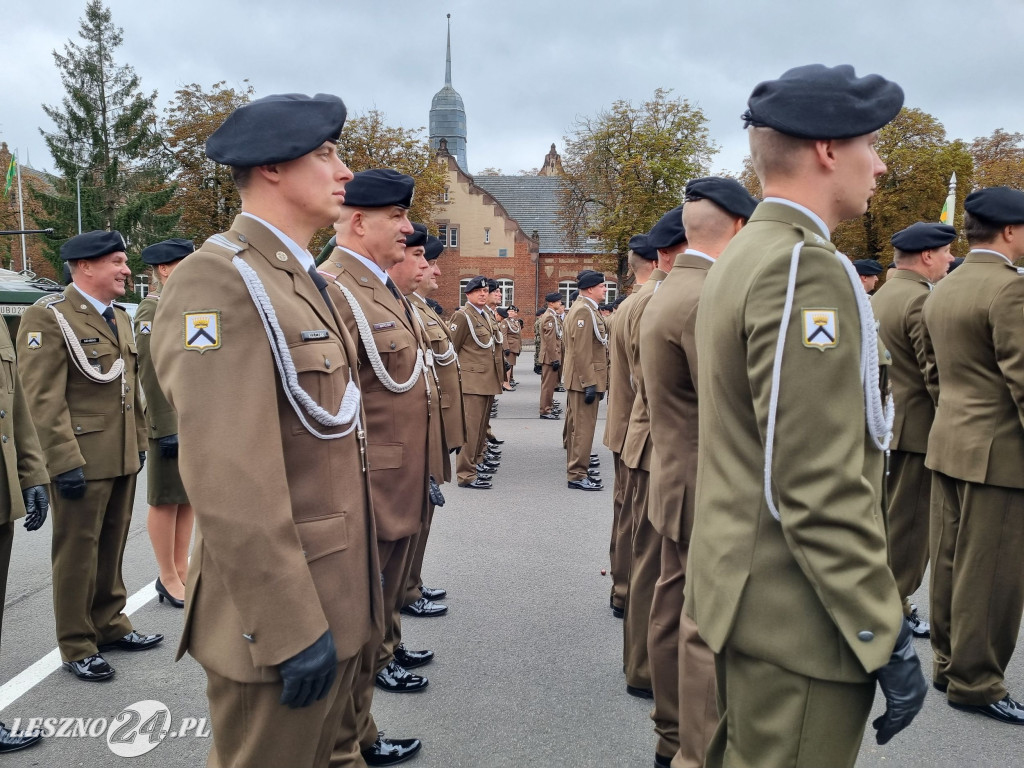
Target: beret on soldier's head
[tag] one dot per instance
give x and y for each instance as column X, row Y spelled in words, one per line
column 728, row 194
column 867, row 267
column 819, row 102
column 276, row 129
column 998, row 205
column 167, row 251
column 552, row 297
column 476, row 283
column 923, row 236
column 434, row 248
column 573, row 296
column 492, row 284
column 379, row 188
column 502, row 311
column 539, row 312
column 588, row 278
column 640, row 245
column 92, row 245
column 418, row 236
column 668, row 231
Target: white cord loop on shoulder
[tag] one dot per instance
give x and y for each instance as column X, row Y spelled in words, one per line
column 472, row 332
column 80, row 359
column 597, row 333
column 443, row 358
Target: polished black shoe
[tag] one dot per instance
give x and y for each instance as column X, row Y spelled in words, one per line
column 559, row 389
column 397, row 679
column 594, row 475
column 424, row 607
column 412, row 659
column 390, row 751
column 640, row 693
column 478, row 484
column 661, row 761
column 487, row 466
column 594, row 463
column 433, row 594
column 11, row 743
column 484, row 477
column 1006, row 710
column 92, row 668
column 133, row 641
column 163, row 594
column 549, row 416
column 494, row 458
column 940, row 685
column 617, row 612
column 594, row 457
column 918, row 626
column 586, row 484
column 494, row 441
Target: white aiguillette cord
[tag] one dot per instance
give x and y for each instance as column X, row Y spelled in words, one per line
column 79, row 357
column 469, row 322
column 440, row 358
column 879, row 416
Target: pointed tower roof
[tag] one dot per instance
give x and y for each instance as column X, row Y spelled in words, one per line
column 448, row 113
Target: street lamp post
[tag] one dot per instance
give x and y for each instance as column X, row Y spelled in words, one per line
column 78, row 197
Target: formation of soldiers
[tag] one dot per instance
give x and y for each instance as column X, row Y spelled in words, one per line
column 814, row 460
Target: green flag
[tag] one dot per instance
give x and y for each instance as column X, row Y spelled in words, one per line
column 12, row 171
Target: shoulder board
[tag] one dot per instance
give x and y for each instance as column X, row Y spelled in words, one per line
column 812, row 238
column 122, row 307
column 220, row 243
column 53, row 298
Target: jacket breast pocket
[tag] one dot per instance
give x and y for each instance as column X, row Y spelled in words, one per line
column 322, row 370
column 323, row 536
column 384, row 455
column 7, row 367
column 393, row 347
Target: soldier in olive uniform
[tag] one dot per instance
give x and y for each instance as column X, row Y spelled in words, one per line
column 550, row 353
column 512, row 328
column 976, row 450
column 922, row 258
column 170, row 514
column 787, row 578
column 79, row 368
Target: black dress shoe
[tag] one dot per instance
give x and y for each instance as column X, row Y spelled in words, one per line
column 617, row 612
column 494, row 458
column 92, row 668
column 661, row 761
column 433, row 594
column 397, row 679
column 133, row 641
column 549, row 416
column 412, row 659
column 939, row 685
column 559, row 389
column 11, row 743
column 1006, row 710
column 484, row 477
column 163, row 594
column 480, row 485
column 494, row 441
column 918, row 626
column 487, row 466
column 594, row 475
column 424, row 608
column 390, row 751
column 594, row 463
column 594, row 456
column 640, row 693
column 586, row 484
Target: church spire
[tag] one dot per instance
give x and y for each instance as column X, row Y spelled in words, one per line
column 448, row 58
column 448, row 113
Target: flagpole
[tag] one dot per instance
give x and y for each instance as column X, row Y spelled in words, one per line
column 21, row 210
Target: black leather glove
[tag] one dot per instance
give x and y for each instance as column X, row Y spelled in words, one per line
column 168, row 446
column 538, row 369
column 589, row 394
column 71, row 484
column 309, row 674
column 434, row 491
column 455, row 450
column 37, row 504
column 142, row 460
column 600, row 396
column 557, row 365
column 902, row 685
column 508, row 352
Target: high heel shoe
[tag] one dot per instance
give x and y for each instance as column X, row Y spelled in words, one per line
column 161, row 592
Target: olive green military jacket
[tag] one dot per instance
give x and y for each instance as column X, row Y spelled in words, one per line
column 586, row 351
column 403, row 429
column 621, row 391
column 23, row 458
column 100, row 427
column 513, row 338
column 550, row 338
column 477, row 349
column 811, row 592
column 286, row 546
column 160, row 416
column 668, row 356
column 897, row 306
column 499, row 345
column 636, row 450
column 975, row 322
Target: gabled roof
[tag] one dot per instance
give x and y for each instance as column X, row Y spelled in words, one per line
column 533, row 201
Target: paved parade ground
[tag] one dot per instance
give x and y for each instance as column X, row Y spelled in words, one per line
column 528, row 669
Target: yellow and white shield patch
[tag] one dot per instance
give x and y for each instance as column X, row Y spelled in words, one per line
column 202, row 330
column 35, row 339
column 145, row 327
column 821, row 328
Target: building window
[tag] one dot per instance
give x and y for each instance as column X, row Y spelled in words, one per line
column 142, row 285
column 442, row 234
column 566, row 287
column 462, row 290
column 446, row 196
column 453, row 237
column 612, row 293
column 503, row 253
column 508, row 294
column 487, row 235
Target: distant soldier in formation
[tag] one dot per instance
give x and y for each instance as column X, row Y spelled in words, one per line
column 511, row 329
column 868, row 271
column 550, row 353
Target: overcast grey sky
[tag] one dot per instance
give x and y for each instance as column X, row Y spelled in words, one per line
column 526, row 69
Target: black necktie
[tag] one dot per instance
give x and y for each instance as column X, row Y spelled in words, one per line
column 321, row 285
column 399, row 298
column 108, row 315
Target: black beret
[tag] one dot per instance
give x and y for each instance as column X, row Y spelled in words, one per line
column 573, row 296
column 998, row 205
column 167, row 251
column 668, row 231
column 434, row 248
column 819, row 102
column 492, row 285
column 552, row 297
column 955, row 263
column 435, row 306
column 588, row 278
column 513, row 307
column 618, row 301
column 540, row 312
column 502, row 311
column 92, row 245
column 639, row 245
column 923, row 236
column 276, row 129
column 379, row 188
column 867, row 267
column 728, row 194
column 418, row 237
column 476, row 283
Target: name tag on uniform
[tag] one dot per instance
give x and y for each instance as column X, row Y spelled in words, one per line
column 384, row 326
column 89, row 341
column 314, row 335
column 431, row 322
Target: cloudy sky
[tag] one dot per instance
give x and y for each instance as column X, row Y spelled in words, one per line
column 527, row 69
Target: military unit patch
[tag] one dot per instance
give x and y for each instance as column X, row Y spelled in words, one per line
column 35, row 339
column 145, row 327
column 202, row 330
column 580, row 323
column 821, row 328
column 454, row 326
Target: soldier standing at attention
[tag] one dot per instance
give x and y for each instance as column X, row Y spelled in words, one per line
column 170, row 515
column 550, row 354
column 510, row 327
column 284, row 590
column 682, row 666
column 922, row 258
column 868, row 271
column 787, row 578
column 79, row 369
column 586, row 377
column 976, row 450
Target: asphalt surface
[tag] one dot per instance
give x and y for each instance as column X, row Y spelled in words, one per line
column 528, row 669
